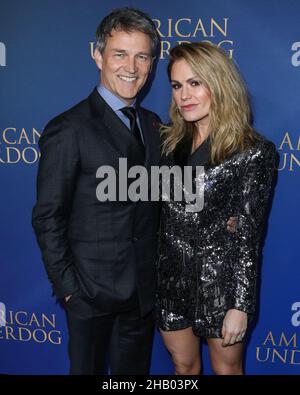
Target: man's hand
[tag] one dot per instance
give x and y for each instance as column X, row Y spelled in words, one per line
column 232, row 224
column 67, row 298
column 234, row 327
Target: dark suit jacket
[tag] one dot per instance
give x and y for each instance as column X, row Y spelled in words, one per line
column 104, row 250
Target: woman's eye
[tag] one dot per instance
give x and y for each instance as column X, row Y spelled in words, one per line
column 175, row 86
column 195, row 83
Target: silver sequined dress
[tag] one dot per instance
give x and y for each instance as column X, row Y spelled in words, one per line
column 203, row 269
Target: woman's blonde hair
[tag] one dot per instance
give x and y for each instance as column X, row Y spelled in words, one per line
column 230, row 113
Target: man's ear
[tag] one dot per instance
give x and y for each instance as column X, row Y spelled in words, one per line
column 98, row 58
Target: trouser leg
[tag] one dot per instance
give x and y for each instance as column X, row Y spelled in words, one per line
column 131, row 343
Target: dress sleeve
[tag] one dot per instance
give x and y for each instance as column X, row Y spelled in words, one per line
column 255, row 189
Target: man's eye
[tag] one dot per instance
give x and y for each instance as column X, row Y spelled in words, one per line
column 119, row 55
column 143, row 58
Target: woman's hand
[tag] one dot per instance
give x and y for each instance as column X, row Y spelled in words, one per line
column 234, row 327
column 67, row 298
column 232, row 224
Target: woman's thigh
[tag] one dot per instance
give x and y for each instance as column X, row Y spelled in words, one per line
column 183, row 345
column 225, row 360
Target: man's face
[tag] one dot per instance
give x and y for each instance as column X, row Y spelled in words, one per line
column 125, row 63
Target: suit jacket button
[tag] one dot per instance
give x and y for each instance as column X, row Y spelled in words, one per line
column 134, row 239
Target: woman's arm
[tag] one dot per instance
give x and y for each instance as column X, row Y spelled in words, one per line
column 255, row 190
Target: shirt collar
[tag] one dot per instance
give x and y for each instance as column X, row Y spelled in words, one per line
column 112, row 100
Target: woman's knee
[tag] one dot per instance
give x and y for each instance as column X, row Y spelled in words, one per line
column 228, row 369
column 183, row 367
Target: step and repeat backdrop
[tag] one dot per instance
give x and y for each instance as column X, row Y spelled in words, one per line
column 46, row 66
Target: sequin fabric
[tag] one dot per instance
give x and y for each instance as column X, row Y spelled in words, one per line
column 203, row 269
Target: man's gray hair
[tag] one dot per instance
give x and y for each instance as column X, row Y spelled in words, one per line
column 128, row 20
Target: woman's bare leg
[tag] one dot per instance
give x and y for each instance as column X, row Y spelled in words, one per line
column 183, row 346
column 226, row 360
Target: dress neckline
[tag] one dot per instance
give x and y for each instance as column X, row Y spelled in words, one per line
column 204, row 142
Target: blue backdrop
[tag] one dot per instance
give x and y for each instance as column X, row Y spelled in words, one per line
column 46, row 67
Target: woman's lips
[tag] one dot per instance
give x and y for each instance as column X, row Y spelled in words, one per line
column 188, row 107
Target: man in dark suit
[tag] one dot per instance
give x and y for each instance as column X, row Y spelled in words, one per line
column 100, row 256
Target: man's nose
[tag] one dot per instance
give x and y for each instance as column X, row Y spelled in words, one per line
column 131, row 65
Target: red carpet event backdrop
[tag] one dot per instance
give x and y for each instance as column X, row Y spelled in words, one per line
column 46, row 66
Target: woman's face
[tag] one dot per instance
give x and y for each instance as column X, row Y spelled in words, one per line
column 192, row 98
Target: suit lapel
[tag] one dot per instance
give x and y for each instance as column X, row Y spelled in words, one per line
column 109, row 126
column 150, row 130
column 118, row 136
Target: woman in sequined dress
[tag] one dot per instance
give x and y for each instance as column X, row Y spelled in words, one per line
column 207, row 275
